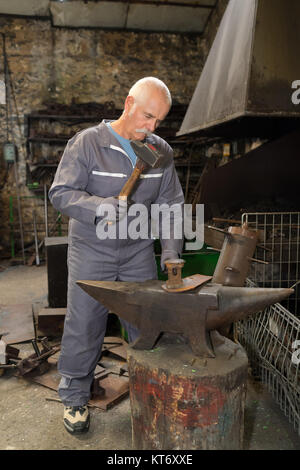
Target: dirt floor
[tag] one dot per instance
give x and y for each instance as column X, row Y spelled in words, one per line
column 30, row 421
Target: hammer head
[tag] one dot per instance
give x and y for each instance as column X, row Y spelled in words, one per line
column 148, row 153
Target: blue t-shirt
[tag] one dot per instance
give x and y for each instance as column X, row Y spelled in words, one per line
column 125, row 143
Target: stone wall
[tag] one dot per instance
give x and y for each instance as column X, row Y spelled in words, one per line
column 67, row 66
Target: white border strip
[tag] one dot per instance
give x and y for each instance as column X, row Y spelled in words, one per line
column 153, row 175
column 106, row 173
column 114, row 147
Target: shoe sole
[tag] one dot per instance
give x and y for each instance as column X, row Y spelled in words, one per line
column 77, row 431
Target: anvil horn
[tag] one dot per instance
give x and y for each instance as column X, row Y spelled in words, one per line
column 236, row 303
column 192, row 313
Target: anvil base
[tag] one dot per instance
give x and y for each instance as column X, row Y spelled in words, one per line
column 181, row 402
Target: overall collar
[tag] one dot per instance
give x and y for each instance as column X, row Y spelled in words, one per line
column 107, row 138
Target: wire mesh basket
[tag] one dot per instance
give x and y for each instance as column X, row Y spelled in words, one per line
column 279, row 248
column 272, row 342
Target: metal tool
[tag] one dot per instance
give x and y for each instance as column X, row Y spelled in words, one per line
column 38, row 360
column 193, row 313
column 175, row 283
column 174, row 267
column 36, row 243
column 46, row 209
column 147, row 156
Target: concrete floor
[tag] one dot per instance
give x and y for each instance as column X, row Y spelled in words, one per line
column 28, row 421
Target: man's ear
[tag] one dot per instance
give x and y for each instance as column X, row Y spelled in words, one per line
column 129, row 102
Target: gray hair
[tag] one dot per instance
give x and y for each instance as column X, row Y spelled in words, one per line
column 142, row 85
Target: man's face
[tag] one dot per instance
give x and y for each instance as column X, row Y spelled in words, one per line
column 145, row 116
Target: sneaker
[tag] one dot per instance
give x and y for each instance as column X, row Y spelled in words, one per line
column 76, row 419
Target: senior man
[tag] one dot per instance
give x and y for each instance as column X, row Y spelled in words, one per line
column 94, row 167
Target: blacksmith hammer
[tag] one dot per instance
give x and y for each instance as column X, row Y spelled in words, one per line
column 147, row 156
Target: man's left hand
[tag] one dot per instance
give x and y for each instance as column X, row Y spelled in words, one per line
column 167, row 254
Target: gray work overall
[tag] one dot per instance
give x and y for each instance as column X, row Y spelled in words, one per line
column 94, row 167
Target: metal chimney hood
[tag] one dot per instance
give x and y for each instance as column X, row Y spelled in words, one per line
column 245, row 88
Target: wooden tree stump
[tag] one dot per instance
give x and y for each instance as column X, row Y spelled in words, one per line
column 179, row 401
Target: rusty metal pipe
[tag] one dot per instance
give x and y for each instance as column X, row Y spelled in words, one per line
column 237, row 250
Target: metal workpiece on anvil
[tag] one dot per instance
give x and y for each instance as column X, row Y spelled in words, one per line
column 175, row 283
column 174, row 267
column 192, row 313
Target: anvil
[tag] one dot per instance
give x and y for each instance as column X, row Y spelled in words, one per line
column 192, row 314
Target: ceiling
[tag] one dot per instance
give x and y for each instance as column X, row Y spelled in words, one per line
column 180, row 16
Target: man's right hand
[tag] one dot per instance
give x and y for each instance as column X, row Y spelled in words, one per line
column 115, row 207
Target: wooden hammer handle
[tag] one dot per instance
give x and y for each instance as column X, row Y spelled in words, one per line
column 128, row 186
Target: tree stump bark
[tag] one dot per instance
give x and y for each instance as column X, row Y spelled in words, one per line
column 179, row 401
